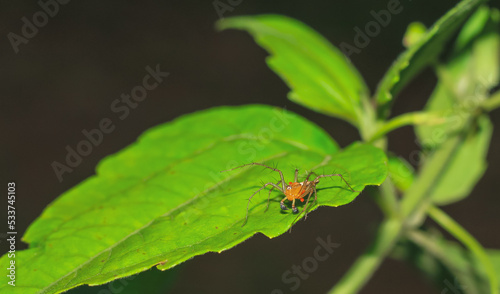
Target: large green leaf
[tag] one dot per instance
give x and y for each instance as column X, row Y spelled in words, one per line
column 422, row 53
column 318, row 74
column 162, row 200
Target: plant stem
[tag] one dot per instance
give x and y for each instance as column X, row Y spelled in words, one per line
column 431, row 172
column 366, row 119
column 468, row 240
column 389, row 199
column 430, row 245
column 411, row 118
column 364, row 267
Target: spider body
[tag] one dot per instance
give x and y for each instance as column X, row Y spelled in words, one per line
column 294, row 190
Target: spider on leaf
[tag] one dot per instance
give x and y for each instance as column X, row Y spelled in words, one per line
column 293, row 190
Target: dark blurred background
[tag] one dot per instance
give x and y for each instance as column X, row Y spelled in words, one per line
column 67, row 75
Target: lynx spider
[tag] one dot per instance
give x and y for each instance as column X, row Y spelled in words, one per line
column 293, row 191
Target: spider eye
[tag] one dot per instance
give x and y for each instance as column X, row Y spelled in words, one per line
column 288, row 188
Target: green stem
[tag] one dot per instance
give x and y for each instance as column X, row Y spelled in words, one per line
column 430, row 174
column 364, row 267
column 389, row 199
column 411, row 118
column 366, row 119
column 468, row 240
column 430, row 245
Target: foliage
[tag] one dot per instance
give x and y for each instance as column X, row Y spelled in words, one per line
column 163, row 200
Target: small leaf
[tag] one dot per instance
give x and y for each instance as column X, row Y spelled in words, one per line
column 414, row 33
column 162, row 200
column 400, row 172
column 318, row 74
column 486, row 53
column 420, row 55
column 467, row 161
column 472, row 28
column 442, row 100
column 466, row 167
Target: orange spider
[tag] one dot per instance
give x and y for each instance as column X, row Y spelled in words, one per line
column 294, row 190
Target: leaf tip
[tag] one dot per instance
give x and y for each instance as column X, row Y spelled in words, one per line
column 220, row 25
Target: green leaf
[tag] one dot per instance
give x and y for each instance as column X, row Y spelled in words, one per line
column 318, row 74
column 467, row 161
column 464, row 83
column 442, row 101
column 466, row 167
column 415, row 31
column 422, row 54
column 400, row 172
column 486, row 53
column 162, row 200
column 472, row 28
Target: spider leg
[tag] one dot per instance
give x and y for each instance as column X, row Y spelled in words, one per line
column 309, row 197
column 269, row 195
column 309, row 174
column 336, row 175
column 282, row 204
column 294, row 209
column 256, row 163
column 307, row 202
column 249, row 199
column 296, row 175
